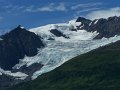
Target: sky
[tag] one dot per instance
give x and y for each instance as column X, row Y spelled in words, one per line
column 35, row 13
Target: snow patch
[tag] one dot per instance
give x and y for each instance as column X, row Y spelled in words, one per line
column 96, row 21
column 22, row 27
column 0, row 73
column 1, row 39
column 17, row 75
column 74, row 23
column 90, row 23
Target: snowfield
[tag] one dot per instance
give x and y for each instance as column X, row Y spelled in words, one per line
column 17, row 75
column 62, row 49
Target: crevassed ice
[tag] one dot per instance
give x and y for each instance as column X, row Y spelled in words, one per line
column 62, row 49
column 62, row 54
column 58, row 46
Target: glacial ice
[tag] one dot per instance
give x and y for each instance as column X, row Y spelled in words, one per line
column 61, row 49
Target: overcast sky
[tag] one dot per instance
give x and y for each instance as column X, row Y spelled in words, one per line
column 34, row 13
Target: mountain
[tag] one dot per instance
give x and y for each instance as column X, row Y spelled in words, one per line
column 105, row 27
column 95, row 70
column 27, row 54
column 14, row 46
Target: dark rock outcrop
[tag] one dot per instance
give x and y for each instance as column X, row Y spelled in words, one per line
column 105, row 27
column 58, row 33
column 84, row 23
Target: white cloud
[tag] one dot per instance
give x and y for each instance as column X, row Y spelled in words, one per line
column 78, row 13
column 104, row 13
column 7, row 6
column 49, row 8
column 10, row 8
column 87, row 9
column 61, row 7
column 86, row 5
column 29, row 9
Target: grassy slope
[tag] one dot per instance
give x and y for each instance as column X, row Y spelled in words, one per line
column 96, row 70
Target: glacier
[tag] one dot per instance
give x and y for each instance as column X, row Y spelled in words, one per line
column 60, row 50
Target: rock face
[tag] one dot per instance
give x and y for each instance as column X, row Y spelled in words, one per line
column 58, row 33
column 16, row 44
column 105, row 27
column 84, row 23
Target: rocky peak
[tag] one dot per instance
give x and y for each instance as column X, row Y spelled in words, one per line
column 81, row 19
column 16, row 44
column 105, row 27
column 84, row 23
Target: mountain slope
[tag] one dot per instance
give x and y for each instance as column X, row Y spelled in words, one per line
column 14, row 46
column 95, row 70
column 24, row 55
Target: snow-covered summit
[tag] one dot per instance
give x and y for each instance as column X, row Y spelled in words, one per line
column 69, row 29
